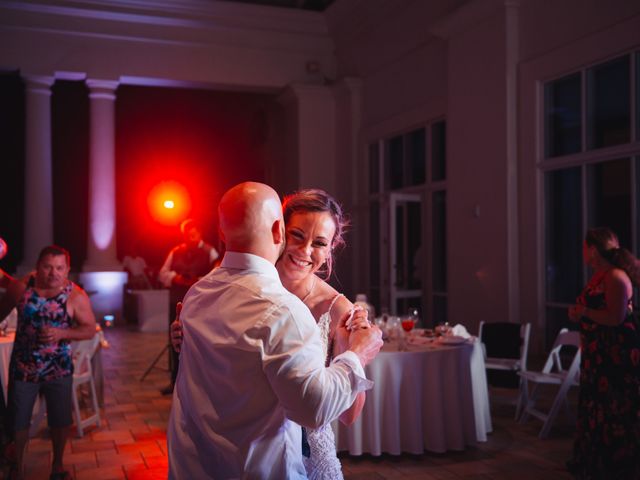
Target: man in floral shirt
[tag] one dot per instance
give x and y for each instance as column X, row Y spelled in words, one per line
column 52, row 311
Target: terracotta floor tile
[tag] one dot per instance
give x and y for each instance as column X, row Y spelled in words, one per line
column 102, row 473
column 131, row 443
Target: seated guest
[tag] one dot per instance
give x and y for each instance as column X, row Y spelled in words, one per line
column 136, row 267
column 52, row 311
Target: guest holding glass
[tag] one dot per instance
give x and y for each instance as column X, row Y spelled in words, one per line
column 52, row 311
column 607, row 443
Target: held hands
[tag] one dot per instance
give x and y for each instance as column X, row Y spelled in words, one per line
column 576, row 312
column 176, row 330
column 356, row 333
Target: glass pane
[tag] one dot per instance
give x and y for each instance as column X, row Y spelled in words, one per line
column 414, row 245
column 609, row 104
column 563, row 235
column 637, row 96
column 438, row 151
column 416, row 156
column 374, row 168
column 562, row 114
column 439, row 232
column 400, row 266
column 609, row 198
column 394, row 163
column 374, row 244
column 637, row 197
column 557, row 319
column 439, row 313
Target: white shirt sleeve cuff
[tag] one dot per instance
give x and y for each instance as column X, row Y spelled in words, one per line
column 359, row 380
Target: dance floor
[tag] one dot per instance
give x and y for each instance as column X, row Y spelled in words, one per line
column 131, row 443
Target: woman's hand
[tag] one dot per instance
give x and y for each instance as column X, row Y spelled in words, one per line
column 176, row 330
column 358, row 318
column 576, row 312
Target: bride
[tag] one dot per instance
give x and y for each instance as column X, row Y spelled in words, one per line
column 314, row 229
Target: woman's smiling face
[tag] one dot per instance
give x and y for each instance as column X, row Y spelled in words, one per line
column 309, row 237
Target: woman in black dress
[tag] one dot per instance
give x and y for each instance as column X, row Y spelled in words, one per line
column 607, row 443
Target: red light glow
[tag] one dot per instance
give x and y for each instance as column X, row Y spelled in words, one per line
column 169, row 203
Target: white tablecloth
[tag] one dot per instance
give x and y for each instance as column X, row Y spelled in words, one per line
column 431, row 398
column 6, row 347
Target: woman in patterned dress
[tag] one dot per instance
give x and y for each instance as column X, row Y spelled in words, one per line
column 607, row 443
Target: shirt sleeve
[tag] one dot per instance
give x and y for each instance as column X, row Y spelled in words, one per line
column 166, row 274
column 293, row 360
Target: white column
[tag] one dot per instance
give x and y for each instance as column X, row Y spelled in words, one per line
column 311, row 110
column 38, row 193
column 101, row 248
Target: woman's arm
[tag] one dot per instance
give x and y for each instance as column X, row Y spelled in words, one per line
column 344, row 307
column 617, row 291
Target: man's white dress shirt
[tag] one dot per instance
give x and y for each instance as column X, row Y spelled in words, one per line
column 251, row 371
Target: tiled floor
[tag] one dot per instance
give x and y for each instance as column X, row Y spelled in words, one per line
column 131, row 443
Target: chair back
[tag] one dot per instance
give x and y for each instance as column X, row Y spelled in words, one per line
column 83, row 351
column 506, row 340
column 554, row 364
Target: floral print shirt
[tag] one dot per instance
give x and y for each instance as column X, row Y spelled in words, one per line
column 31, row 360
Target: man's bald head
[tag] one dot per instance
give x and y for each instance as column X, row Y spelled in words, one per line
column 251, row 220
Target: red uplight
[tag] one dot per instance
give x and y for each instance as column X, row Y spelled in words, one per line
column 169, row 203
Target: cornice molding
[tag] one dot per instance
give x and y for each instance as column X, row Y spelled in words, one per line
column 466, row 16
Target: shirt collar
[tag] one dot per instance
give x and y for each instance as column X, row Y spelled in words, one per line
column 249, row 261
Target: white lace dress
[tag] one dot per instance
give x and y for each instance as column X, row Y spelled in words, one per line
column 323, row 463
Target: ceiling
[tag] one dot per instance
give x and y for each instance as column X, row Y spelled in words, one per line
column 313, row 5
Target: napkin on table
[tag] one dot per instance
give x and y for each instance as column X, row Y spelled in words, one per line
column 460, row 331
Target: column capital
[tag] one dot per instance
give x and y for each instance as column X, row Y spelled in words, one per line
column 102, row 89
column 38, row 83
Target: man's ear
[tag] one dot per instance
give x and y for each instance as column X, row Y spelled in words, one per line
column 277, row 231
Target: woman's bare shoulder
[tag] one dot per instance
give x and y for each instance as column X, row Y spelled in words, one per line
column 618, row 276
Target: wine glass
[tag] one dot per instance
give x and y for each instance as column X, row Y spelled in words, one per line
column 408, row 322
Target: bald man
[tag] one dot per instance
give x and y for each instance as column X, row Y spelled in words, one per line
column 252, row 368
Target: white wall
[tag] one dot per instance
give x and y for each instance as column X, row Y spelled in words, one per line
column 214, row 43
column 421, row 60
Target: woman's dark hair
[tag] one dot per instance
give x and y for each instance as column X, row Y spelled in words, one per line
column 607, row 245
column 316, row 200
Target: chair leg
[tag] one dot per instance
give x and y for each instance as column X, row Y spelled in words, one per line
column 521, row 392
column 96, row 407
column 561, row 398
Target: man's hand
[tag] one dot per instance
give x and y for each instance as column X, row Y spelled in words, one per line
column 366, row 343
column 51, row 335
column 359, row 336
column 176, row 330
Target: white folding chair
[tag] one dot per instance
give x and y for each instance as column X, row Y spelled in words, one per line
column 514, row 364
column 83, row 352
column 509, row 364
column 553, row 373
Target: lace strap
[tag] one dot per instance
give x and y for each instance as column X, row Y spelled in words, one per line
column 333, row 302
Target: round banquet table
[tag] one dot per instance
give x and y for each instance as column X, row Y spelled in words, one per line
column 432, row 397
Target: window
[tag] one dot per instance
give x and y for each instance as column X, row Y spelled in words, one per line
column 591, row 172
column 609, row 103
column 407, row 220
